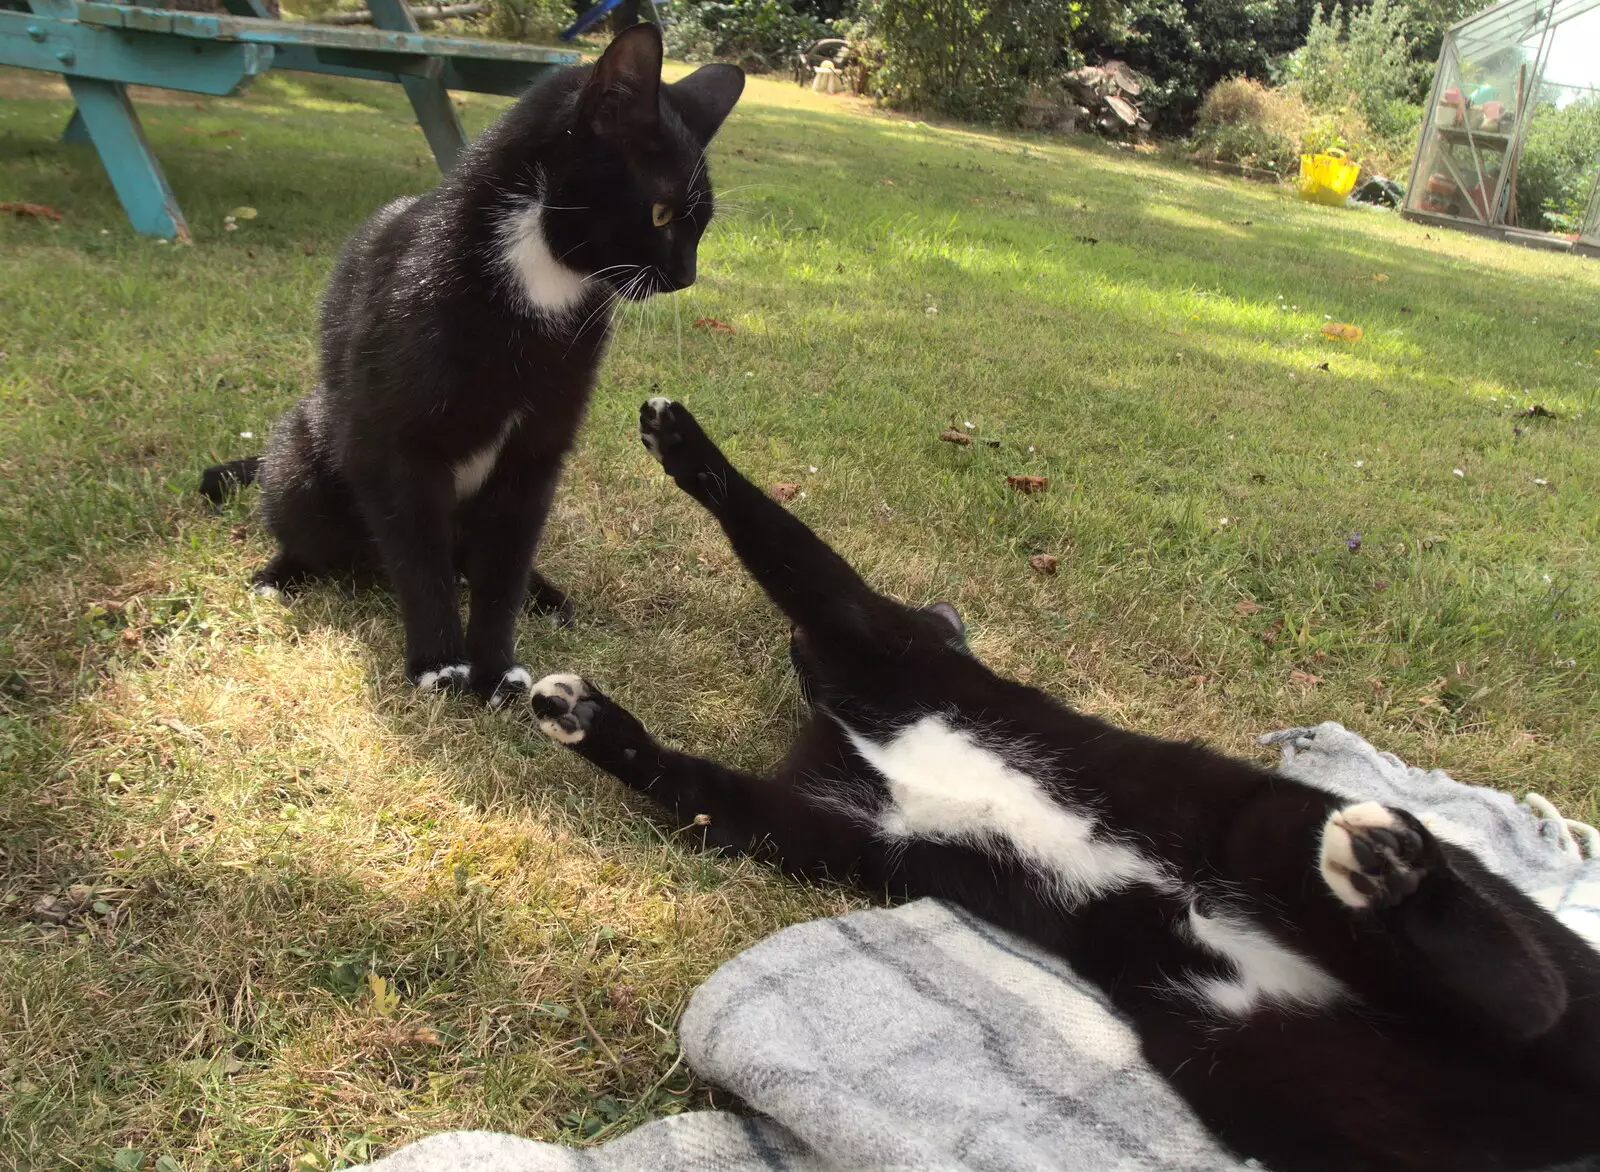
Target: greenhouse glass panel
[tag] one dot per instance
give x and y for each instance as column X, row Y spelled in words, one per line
column 1510, row 140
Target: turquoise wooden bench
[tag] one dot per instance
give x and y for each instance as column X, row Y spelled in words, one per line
column 101, row 49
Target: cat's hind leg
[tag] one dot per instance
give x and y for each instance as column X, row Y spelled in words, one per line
column 308, row 509
column 546, row 598
column 1402, row 918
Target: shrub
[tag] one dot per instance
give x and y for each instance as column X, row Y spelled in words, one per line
column 759, row 34
column 528, row 20
column 1242, row 121
column 973, row 59
column 1363, row 61
column 1557, row 170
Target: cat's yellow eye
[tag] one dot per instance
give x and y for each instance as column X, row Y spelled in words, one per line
column 660, row 215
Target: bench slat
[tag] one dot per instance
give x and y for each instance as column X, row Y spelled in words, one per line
column 216, row 27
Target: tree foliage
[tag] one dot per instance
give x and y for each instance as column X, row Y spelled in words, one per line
column 1188, row 46
column 971, row 58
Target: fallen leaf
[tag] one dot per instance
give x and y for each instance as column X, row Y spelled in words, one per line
column 1405, row 309
column 1375, row 683
column 1198, row 681
column 1342, row 332
column 1044, row 563
column 1246, row 608
column 1380, row 585
column 244, row 213
column 886, row 181
column 784, row 492
column 37, row 210
column 131, row 636
column 1028, row 484
column 1270, row 635
column 229, row 132
column 1537, row 411
column 712, row 324
column 1304, row 678
column 951, row 435
column 1380, row 276
column 238, row 533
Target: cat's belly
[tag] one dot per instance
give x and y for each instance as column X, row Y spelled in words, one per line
column 945, row 785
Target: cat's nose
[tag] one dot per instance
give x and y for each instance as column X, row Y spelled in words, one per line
column 680, row 275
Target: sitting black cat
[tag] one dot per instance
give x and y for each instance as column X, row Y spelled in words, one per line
column 1331, row 988
column 461, row 334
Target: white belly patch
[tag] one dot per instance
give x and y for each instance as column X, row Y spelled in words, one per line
column 472, row 472
column 945, row 785
column 1265, row 972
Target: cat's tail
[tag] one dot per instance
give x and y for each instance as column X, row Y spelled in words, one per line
column 221, row 479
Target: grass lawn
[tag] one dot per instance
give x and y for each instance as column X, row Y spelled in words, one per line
column 305, row 913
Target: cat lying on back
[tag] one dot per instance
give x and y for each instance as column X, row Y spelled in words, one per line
column 461, row 334
column 1330, row 987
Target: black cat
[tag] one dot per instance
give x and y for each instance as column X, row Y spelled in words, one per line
column 461, row 334
column 1331, row 988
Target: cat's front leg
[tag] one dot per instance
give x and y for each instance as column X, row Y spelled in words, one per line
column 499, row 529
column 719, row 807
column 408, row 511
column 811, row 583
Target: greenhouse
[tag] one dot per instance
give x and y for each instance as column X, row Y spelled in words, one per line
column 1510, row 143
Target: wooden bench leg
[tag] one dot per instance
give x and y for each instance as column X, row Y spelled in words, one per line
column 437, row 116
column 440, row 123
column 113, row 126
column 76, row 131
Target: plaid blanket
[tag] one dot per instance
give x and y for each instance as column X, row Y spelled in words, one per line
column 920, row 1037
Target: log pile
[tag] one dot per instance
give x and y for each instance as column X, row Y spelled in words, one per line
column 425, row 14
column 1108, row 94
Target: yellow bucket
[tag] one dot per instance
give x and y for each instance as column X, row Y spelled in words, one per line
column 1327, row 178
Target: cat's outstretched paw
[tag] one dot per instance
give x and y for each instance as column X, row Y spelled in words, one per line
column 566, row 707
column 672, row 436
column 1374, row 856
column 446, row 677
column 513, row 685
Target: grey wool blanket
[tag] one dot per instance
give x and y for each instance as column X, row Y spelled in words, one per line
column 921, row 1038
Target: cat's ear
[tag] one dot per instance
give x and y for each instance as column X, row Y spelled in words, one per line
column 949, row 614
column 623, row 95
column 704, row 98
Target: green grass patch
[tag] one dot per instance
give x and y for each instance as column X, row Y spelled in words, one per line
column 259, row 903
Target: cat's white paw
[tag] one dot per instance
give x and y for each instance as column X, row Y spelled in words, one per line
column 1372, row 855
column 651, row 417
column 268, row 591
column 512, row 686
column 452, row 675
column 555, row 701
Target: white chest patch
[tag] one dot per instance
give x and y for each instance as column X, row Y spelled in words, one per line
column 472, row 472
column 1265, row 971
column 946, row 786
column 545, row 285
